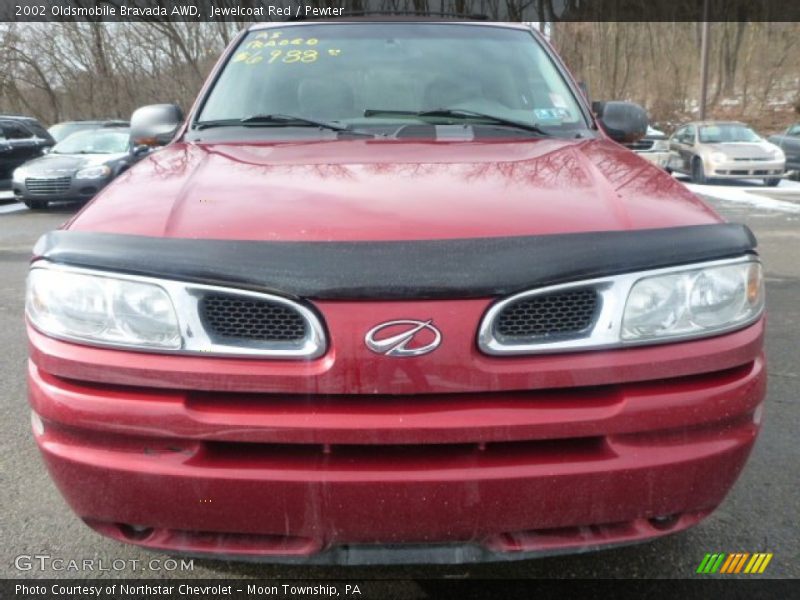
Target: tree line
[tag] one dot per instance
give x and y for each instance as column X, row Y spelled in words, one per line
column 754, row 73
column 81, row 70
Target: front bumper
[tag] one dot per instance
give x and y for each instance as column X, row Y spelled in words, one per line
column 746, row 169
column 72, row 190
column 558, row 453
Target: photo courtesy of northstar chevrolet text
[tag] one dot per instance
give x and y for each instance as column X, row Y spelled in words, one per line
column 401, row 292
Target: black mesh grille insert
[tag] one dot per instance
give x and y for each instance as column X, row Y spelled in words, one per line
column 558, row 314
column 237, row 317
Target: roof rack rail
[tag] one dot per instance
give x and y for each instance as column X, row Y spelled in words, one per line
column 404, row 13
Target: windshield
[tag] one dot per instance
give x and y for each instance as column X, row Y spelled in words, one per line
column 380, row 74
column 718, row 134
column 95, row 141
column 62, row 131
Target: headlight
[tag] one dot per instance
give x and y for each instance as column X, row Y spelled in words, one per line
column 661, row 146
column 629, row 309
column 19, row 175
column 94, row 172
column 101, row 309
column 146, row 313
column 777, row 153
column 718, row 157
column 696, row 302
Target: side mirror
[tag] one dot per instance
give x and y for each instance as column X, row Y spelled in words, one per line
column 624, row 122
column 155, row 124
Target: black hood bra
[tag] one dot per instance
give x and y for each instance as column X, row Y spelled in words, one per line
column 398, row 270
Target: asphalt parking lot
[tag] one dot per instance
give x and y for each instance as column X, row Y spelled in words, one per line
column 756, row 516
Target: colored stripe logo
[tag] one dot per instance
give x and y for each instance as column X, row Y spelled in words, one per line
column 737, row 562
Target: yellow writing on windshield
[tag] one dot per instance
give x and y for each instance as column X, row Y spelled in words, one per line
column 272, row 47
column 293, row 56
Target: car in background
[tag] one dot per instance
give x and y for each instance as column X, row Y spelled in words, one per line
column 789, row 142
column 654, row 147
column 21, row 139
column 61, row 131
column 724, row 150
column 76, row 168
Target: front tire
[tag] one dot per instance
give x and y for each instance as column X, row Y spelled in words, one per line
column 698, row 171
column 35, row 204
column 772, row 181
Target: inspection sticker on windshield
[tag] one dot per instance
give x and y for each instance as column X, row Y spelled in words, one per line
column 550, row 115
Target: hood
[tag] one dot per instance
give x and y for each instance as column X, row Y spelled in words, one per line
column 65, row 164
column 744, row 149
column 390, row 190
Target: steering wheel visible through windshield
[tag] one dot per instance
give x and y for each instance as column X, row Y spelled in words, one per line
column 373, row 75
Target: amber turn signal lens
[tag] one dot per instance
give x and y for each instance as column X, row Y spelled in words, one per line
column 755, row 284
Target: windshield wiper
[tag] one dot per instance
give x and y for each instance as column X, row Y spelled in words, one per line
column 292, row 120
column 280, row 120
column 461, row 113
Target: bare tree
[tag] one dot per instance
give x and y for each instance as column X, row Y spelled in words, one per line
column 75, row 70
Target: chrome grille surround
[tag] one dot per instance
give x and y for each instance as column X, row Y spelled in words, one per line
column 186, row 298
column 605, row 332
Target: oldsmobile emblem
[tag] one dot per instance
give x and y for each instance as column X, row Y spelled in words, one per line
column 404, row 337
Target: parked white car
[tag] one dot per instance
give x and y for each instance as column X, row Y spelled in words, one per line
column 654, row 146
column 725, row 150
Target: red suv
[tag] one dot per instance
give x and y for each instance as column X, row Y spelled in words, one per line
column 392, row 292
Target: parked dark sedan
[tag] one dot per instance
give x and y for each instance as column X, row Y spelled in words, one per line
column 21, row 139
column 61, row 131
column 789, row 142
column 77, row 168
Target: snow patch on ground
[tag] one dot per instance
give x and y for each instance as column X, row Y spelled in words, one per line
column 754, row 196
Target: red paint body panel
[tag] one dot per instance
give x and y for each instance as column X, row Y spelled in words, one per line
column 542, row 468
column 350, row 368
column 390, row 190
column 283, row 458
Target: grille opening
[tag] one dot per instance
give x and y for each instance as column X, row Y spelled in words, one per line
column 181, row 540
column 230, row 317
column 643, row 144
column 345, row 457
column 560, row 314
column 47, row 185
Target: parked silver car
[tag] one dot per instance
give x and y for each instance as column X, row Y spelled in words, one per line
column 76, row 168
column 724, row 150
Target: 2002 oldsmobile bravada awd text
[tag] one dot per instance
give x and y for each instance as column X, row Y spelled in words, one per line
column 392, row 292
